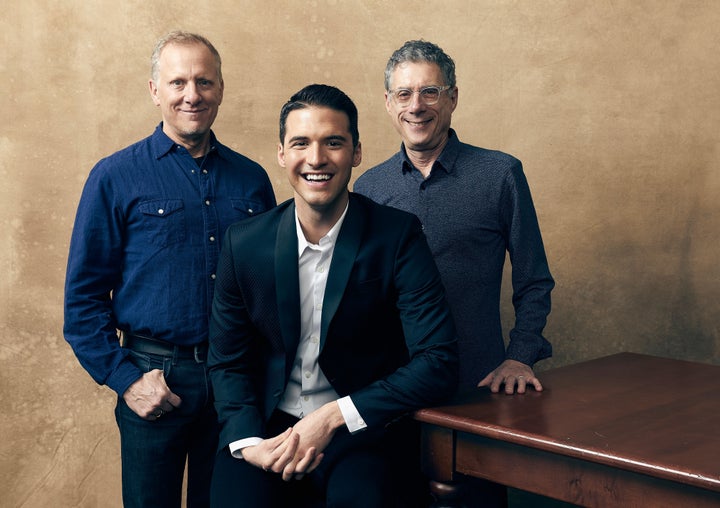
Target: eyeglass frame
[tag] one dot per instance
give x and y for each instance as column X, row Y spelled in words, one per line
column 440, row 89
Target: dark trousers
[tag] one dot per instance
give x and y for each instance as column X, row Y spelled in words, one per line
column 370, row 469
column 154, row 453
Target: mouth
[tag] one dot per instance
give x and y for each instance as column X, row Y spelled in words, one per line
column 417, row 123
column 317, row 177
column 194, row 111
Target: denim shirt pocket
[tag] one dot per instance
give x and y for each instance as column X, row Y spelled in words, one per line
column 245, row 207
column 164, row 221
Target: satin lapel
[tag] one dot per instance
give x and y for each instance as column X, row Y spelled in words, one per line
column 286, row 280
column 344, row 256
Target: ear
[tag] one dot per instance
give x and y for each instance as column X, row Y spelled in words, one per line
column 153, row 92
column 387, row 103
column 281, row 155
column 454, row 98
column 357, row 155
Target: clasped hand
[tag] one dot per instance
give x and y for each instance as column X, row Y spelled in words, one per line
column 299, row 450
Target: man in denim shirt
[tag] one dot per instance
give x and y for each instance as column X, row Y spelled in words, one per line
column 142, row 262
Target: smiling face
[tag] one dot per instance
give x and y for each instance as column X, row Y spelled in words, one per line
column 318, row 156
column 423, row 128
column 188, row 92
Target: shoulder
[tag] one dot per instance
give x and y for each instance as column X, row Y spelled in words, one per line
column 126, row 161
column 241, row 161
column 261, row 224
column 382, row 217
column 488, row 165
column 378, row 176
column 488, row 155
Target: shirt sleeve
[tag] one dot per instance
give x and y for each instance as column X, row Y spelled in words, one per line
column 531, row 278
column 93, row 270
column 236, row 447
column 353, row 420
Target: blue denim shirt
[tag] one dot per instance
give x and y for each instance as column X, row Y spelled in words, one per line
column 475, row 207
column 145, row 244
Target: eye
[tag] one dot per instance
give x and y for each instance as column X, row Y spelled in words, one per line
column 430, row 93
column 403, row 94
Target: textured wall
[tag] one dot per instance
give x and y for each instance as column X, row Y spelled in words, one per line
column 612, row 106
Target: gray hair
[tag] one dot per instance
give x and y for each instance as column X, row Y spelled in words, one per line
column 181, row 37
column 421, row 51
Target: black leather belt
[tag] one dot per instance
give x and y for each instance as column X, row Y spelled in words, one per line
column 154, row 346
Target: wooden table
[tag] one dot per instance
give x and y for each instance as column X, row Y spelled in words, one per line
column 626, row 430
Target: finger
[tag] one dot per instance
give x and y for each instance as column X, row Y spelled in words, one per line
column 303, row 464
column 521, row 384
column 510, row 385
column 172, row 400
column 537, row 384
column 273, row 442
column 316, row 463
column 485, row 381
column 280, row 456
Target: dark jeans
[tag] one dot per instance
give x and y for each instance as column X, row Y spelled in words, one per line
column 154, row 453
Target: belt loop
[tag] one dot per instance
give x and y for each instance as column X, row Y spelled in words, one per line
column 198, row 356
column 176, row 355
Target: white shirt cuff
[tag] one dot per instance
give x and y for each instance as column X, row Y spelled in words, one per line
column 236, row 447
column 352, row 417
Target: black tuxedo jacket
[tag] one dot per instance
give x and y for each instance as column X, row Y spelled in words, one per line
column 387, row 337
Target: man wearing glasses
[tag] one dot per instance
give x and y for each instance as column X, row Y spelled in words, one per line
column 474, row 205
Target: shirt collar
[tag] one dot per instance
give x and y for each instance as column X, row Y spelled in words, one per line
column 330, row 236
column 163, row 145
column 447, row 157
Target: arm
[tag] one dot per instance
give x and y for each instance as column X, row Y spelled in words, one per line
column 235, row 359
column 430, row 376
column 93, row 271
column 532, row 284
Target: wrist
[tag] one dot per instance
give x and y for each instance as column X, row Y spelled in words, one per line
column 334, row 416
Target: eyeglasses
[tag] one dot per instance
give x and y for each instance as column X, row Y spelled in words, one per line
column 429, row 95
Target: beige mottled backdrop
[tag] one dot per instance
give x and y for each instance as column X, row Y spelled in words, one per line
column 613, row 106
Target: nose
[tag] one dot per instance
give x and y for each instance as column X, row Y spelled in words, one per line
column 192, row 95
column 315, row 155
column 416, row 103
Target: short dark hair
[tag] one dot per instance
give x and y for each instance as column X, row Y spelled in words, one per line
column 324, row 96
column 421, row 51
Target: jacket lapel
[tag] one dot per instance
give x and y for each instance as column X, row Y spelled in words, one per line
column 344, row 255
column 287, row 285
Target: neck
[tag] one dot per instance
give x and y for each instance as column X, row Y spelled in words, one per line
column 197, row 149
column 317, row 221
column 423, row 160
column 197, row 145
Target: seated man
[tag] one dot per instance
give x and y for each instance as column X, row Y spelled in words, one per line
column 325, row 332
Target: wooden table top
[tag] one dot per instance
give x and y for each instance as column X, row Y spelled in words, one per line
column 636, row 412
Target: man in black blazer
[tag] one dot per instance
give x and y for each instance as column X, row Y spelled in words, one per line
column 329, row 325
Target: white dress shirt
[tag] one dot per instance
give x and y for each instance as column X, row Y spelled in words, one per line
column 308, row 389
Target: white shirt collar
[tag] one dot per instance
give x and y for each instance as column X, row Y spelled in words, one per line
column 330, row 236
